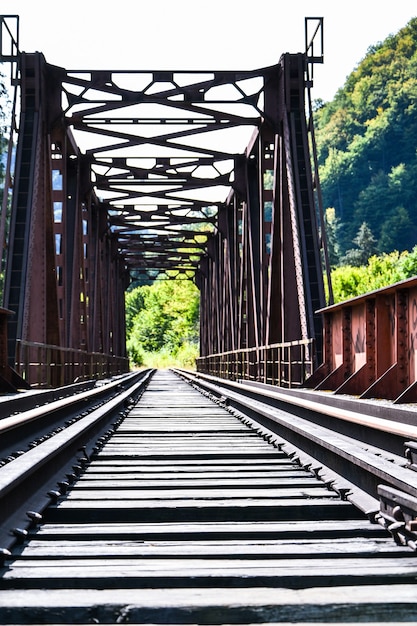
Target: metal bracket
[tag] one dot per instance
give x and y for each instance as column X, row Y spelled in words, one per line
column 399, row 515
column 313, row 27
column 9, row 37
column 411, row 454
column 9, row 44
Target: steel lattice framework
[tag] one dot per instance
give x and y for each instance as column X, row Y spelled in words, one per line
column 139, row 175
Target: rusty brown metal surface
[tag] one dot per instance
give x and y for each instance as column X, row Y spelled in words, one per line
column 262, row 278
column 10, row 380
column 370, row 345
column 141, row 175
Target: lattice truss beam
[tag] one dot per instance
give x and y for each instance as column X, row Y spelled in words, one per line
column 162, row 147
column 199, row 175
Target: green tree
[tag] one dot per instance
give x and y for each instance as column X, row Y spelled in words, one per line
column 380, row 271
column 134, row 303
column 367, row 140
column 162, row 317
column 347, row 282
column 332, row 225
column 397, row 227
column 365, row 247
column 408, row 264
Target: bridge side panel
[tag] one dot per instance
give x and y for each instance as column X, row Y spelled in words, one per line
column 64, row 280
column 30, row 269
column 371, row 346
column 273, row 263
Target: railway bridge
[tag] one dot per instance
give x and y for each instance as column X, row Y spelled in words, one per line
column 277, row 484
column 141, row 175
column 211, row 176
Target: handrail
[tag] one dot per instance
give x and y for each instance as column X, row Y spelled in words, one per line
column 44, row 365
column 287, row 364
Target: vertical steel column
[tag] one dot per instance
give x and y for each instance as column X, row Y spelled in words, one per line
column 273, row 266
column 30, row 285
column 64, row 279
column 202, row 284
column 215, row 290
column 229, row 220
column 275, row 310
column 255, row 310
column 295, row 271
column 223, row 265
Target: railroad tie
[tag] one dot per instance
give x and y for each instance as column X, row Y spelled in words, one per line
column 187, row 515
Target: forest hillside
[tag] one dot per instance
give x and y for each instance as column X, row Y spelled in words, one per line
column 367, row 150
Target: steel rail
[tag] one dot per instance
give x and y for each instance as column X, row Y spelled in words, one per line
column 19, row 402
column 376, row 481
column 32, row 480
column 186, row 515
column 44, row 411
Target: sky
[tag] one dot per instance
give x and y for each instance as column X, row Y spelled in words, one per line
column 204, row 35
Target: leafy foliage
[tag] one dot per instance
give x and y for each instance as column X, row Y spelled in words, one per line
column 380, row 271
column 367, row 146
column 365, row 247
column 162, row 322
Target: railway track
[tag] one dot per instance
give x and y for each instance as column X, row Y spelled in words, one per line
column 189, row 511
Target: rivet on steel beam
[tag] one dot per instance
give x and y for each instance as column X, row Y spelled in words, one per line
column 20, row 533
column 316, row 470
column 34, row 516
column 71, row 477
column 397, row 514
column 395, row 529
column 63, row 486
column 373, row 515
column 129, row 402
column 412, row 545
column 83, row 449
column 4, row 555
column 343, row 492
column 54, row 495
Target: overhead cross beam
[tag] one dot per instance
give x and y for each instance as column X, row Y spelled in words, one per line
column 142, row 174
column 162, row 148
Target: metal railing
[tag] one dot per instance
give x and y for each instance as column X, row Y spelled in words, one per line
column 43, row 365
column 286, row 364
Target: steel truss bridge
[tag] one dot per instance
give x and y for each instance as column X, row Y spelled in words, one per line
column 139, row 175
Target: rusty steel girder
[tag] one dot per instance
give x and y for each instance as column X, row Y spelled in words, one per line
column 63, row 266
column 370, row 345
column 139, row 175
column 262, row 279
